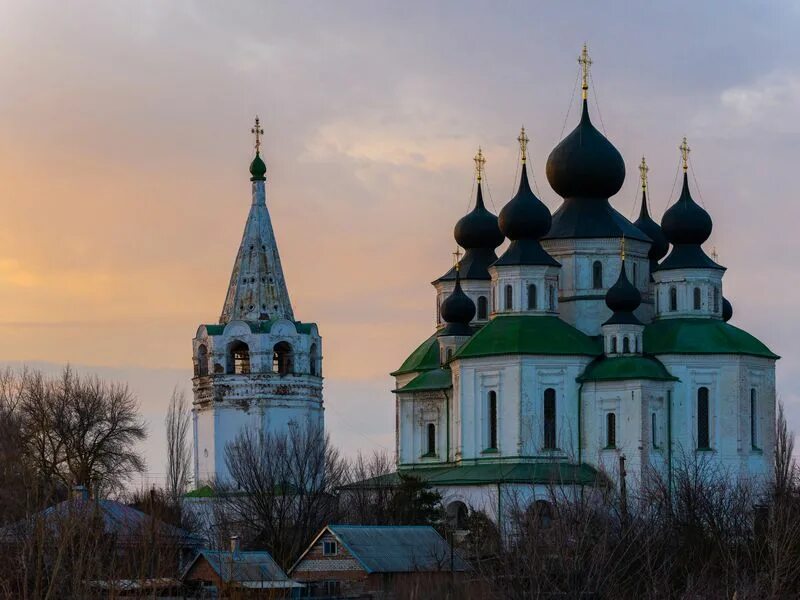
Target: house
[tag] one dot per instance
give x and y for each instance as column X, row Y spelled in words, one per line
column 252, row 574
column 353, row 561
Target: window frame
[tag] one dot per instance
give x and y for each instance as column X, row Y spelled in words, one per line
column 611, row 430
column 326, row 544
column 483, row 308
column 549, row 405
column 703, row 414
column 492, row 433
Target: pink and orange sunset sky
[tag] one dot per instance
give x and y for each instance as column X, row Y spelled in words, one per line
column 124, row 147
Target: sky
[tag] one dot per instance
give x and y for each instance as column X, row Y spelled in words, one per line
column 125, row 142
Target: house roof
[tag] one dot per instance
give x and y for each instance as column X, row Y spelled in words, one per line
column 243, row 567
column 396, row 549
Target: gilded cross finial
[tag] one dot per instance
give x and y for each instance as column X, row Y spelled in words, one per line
column 479, row 163
column 523, row 144
column 258, row 132
column 643, row 169
column 622, row 248
column 457, row 259
column 585, row 62
column 684, row 148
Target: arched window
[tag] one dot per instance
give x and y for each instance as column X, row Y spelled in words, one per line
column 716, row 300
column 654, row 430
column 239, row 358
column 635, row 343
column 753, row 419
column 483, row 308
column 551, row 292
column 541, row 514
column 492, row 445
column 282, row 358
column 597, row 275
column 532, row 297
column 202, row 361
column 614, row 345
column 697, row 298
column 626, row 345
column 611, row 430
column 703, row 439
column 457, row 514
column 549, row 419
column 431, row 439
column 509, row 297
column 313, row 360
column 673, row 299
column 438, row 310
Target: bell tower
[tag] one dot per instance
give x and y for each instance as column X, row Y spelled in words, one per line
column 258, row 367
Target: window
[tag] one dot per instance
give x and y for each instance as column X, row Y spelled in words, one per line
column 332, row 589
column 202, row 361
column 431, row 439
column 457, row 514
column 626, row 345
column 492, row 421
column 449, row 354
column 282, row 358
column 551, row 291
column 635, row 278
column 697, row 300
column 597, row 275
column 509, row 297
column 673, row 299
column 716, row 299
column 611, row 430
column 654, row 429
column 635, row 344
column 313, row 360
column 438, row 310
column 753, row 419
column 239, row 358
column 483, row 308
column 614, row 345
column 531, row 297
column 550, row 419
column 329, row 548
column 541, row 514
column 703, row 441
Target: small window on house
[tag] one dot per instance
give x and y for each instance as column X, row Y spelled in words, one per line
column 531, row 297
column 697, row 298
column 673, row 299
column 483, row 308
column 431, row 439
column 614, row 345
column 329, row 548
column 509, row 297
column 202, row 360
column 239, row 358
column 611, row 430
column 597, row 275
column 654, row 429
column 703, row 426
column 492, row 445
column 549, row 419
column 282, row 358
column 626, row 345
column 753, row 419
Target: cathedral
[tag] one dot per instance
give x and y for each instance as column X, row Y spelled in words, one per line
column 590, row 339
column 257, row 367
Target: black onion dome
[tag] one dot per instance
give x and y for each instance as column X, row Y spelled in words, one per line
column 686, row 222
column 660, row 245
column 524, row 216
column 585, row 164
column 258, row 169
column 727, row 310
column 623, row 298
column 457, row 311
column 478, row 228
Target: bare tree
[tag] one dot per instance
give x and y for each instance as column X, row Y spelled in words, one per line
column 785, row 466
column 179, row 454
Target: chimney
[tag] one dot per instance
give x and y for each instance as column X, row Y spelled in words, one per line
column 80, row 492
column 235, row 546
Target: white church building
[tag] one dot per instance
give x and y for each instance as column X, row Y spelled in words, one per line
column 257, row 367
column 589, row 339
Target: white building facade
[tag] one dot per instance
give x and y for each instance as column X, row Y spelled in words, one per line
column 595, row 339
column 257, row 367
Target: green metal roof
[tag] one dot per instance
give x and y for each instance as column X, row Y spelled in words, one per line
column 492, row 473
column 215, row 329
column 260, row 327
column 424, row 358
column 701, row 336
column 528, row 334
column 626, row 367
column 435, row 379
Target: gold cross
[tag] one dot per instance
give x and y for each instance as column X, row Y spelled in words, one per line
column 457, row 258
column 643, row 169
column 684, row 148
column 523, row 144
column 258, row 132
column 479, row 163
column 585, row 62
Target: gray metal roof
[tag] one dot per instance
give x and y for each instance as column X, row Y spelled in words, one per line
column 243, row 567
column 397, row 549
